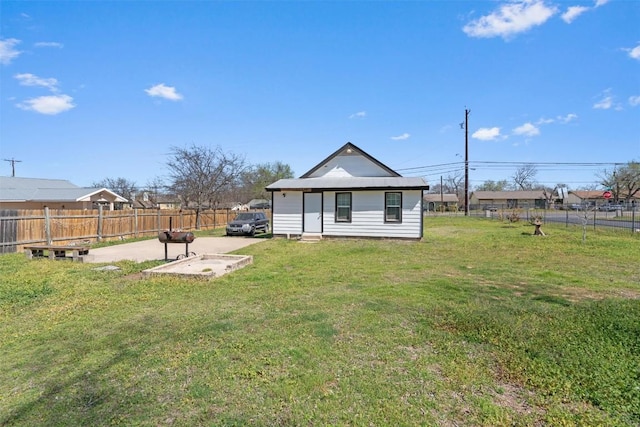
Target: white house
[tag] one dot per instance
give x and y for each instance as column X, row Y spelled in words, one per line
column 348, row 194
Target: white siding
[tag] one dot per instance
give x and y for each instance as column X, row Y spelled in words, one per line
column 287, row 213
column 350, row 165
column 367, row 218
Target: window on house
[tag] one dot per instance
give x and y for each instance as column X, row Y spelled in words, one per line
column 393, row 207
column 343, row 207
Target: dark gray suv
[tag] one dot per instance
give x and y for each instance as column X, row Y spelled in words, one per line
column 248, row 224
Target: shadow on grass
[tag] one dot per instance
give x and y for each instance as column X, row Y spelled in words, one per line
column 89, row 391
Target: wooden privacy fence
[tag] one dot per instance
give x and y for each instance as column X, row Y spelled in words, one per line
column 63, row 226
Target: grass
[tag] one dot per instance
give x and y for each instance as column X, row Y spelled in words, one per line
column 479, row 324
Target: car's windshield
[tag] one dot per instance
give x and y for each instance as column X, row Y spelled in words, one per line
column 244, row 216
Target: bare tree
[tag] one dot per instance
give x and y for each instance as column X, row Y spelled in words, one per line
column 154, row 188
column 451, row 184
column 122, row 186
column 551, row 193
column 454, row 184
column 524, row 177
column 623, row 182
column 585, row 215
column 203, row 176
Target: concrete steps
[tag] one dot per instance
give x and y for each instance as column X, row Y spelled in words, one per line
column 311, row 237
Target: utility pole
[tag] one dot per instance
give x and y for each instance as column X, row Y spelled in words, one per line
column 441, row 194
column 466, row 162
column 13, row 165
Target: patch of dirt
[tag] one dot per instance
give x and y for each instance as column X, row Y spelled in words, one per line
column 134, row 276
column 577, row 294
column 515, row 398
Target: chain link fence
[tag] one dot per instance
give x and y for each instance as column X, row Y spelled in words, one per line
column 620, row 219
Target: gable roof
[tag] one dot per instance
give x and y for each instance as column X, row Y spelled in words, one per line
column 350, row 149
column 349, row 183
column 437, row 197
column 588, row 194
column 14, row 189
column 337, row 177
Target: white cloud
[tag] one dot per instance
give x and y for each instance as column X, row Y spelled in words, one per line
column 558, row 119
column 573, row 12
column 27, row 79
column 162, row 91
column 568, row 118
column 8, row 52
column 49, row 44
column 510, row 19
column 51, row 105
column 445, row 128
column 634, row 101
column 605, row 102
column 601, row 2
column 543, row 121
column 401, row 137
column 358, row 115
column 526, row 129
column 634, row 52
column 487, row 134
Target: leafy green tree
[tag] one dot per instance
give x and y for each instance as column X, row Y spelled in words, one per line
column 257, row 177
column 490, row 185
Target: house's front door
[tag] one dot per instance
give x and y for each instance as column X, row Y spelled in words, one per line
column 312, row 213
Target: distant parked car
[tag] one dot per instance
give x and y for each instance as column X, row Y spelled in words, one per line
column 491, row 208
column 611, row 208
column 575, row 207
column 248, row 223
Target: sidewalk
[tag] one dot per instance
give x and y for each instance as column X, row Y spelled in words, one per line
column 148, row 250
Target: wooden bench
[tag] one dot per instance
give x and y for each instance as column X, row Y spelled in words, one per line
column 56, row 252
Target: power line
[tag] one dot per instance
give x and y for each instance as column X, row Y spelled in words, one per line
column 489, row 163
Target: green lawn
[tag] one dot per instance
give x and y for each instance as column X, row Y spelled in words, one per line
column 479, row 324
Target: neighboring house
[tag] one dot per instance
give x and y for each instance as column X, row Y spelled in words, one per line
column 585, row 198
column 348, row 194
column 142, row 204
column 141, row 201
column 508, row 199
column 259, row 204
column 35, row 193
column 166, row 201
column 433, row 201
column 596, row 198
column 239, row 207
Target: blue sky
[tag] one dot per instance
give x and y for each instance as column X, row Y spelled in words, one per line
column 96, row 89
